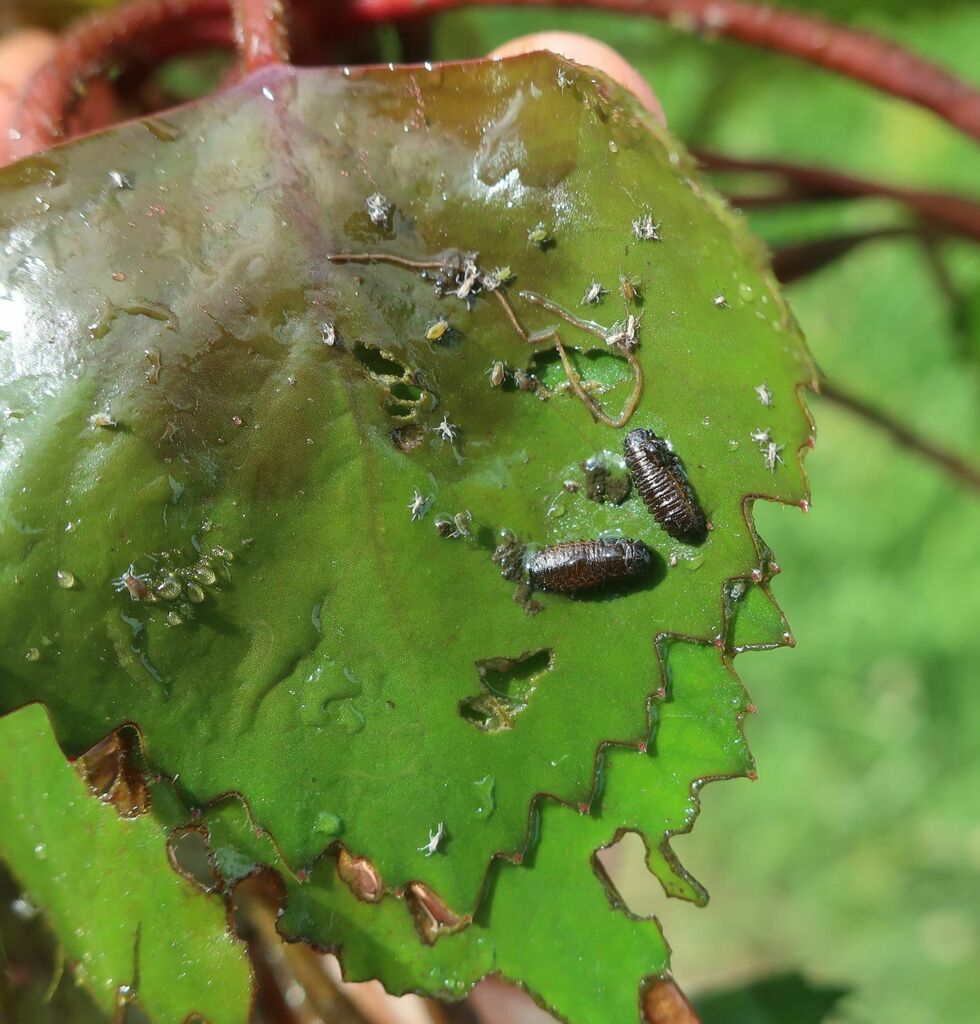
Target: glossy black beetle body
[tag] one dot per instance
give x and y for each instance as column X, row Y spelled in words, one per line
column 662, row 483
column 588, row 564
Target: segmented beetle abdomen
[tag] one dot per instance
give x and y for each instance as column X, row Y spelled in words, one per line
column 588, row 564
column 660, row 478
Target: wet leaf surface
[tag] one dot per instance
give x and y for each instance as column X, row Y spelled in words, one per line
column 558, row 906
column 257, row 462
column 130, row 928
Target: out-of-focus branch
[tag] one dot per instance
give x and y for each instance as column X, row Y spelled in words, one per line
column 793, row 262
column 663, row 1002
column 955, row 214
column 293, row 987
column 958, row 468
column 260, row 33
column 859, row 55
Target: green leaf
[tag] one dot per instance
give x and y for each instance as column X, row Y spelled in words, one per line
column 133, row 929
column 226, row 379
column 781, row 999
column 555, row 908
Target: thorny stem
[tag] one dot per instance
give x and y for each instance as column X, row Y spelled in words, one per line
column 260, row 33
column 953, row 213
column 957, row 467
column 858, row 55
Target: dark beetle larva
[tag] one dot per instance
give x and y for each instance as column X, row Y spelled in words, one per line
column 588, row 564
column 663, row 485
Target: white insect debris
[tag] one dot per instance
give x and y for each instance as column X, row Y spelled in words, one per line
column 625, row 334
column 765, row 395
column 120, row 180
column 564, row 79
column 137, row 584
column 772, row 455
column 446, row 430
column 329, row 333
column 761, row 437
column 539, row 235
column 435, row 840
column 102, row 420
column 418, row 506
column 379, row 210
column 471, row 275
column 461, row 524
column 645, row 229
column 594, row 294
column 721, row 302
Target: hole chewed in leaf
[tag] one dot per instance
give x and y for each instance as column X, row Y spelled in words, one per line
column 432, row 917
column 406, row 392
column 112, row 771
column 361, row 877
column 509, row 684
column 377, row 362
column 190, row 854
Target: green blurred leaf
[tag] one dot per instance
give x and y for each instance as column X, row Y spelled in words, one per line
column 130, row 926
column 784, row 999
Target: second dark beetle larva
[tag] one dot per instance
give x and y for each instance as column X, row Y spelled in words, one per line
column 662, row 483
column 588, row 564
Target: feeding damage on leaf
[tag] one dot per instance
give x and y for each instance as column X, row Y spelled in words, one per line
column 386, row 401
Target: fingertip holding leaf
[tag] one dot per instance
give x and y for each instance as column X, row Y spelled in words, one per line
column 260, row 590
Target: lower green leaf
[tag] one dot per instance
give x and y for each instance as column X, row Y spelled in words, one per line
column 134, row 930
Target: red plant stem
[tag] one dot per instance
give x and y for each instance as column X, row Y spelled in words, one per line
column 792, row 262
column 88, row 48
column 662, row 1002
column 952, row 212
column 858, row 55
column 260, row 33
column 958, row 468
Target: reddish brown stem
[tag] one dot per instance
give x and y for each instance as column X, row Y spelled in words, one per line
column 260, row 33
column 958, row 468
column 87, row 49
column 147, row 28
column 954, row 213
column 662, row 1002
column 859, row 55
column 793, row 262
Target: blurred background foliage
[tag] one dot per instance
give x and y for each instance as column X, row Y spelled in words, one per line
column 856, row 856
column 854, row 861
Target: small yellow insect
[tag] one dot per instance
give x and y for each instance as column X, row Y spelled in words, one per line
column 629, row 287
column 437, row 329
